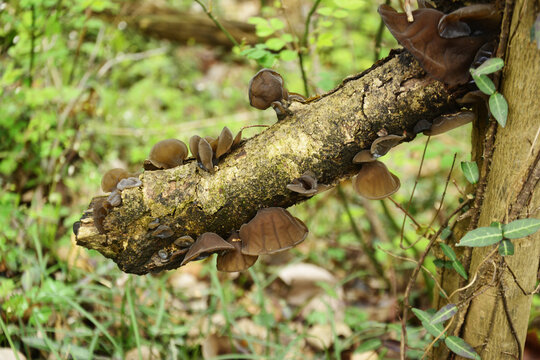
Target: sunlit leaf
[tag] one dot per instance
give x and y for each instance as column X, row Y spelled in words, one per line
column 433, row 329
column 506, row 248
column 489, row 67
column 275, row 43
column 470, row 170
column 444, row 313
column 483, row 236
column 499, row 108
column 521, row 228
column 287, row 55
column 368, row 345
column 461, row 348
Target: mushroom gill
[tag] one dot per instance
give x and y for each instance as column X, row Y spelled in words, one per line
column 374, row 181
column 272, row 230
column 446, row 123
column 307, row 185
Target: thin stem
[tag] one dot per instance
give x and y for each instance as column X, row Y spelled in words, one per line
column 218, row 24
column 378, row 37
column 32, row 44
column 368, row 250
column 303, row 44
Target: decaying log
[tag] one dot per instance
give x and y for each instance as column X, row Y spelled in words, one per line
column 163, row 22
column 322, row 136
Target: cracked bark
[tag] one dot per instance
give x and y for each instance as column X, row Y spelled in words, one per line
column 322, row 136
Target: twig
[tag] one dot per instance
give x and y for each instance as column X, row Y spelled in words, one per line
column 406, row 212
column 515, row 278
column 32, row 44
column 129, row 57
column 437, row 338
column 476, row 275
column 368, row 250
column 413, row 189
column 218, row 24
column 378, row 37
column 394, row 225
column 303, row 44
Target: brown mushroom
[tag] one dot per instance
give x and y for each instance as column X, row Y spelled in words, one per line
column 163, row 232
column 224, row 142
column 99, row 212
column 206, row 154
column 307, row 185
column 184, row 241
column 447, row 60
column 265, row 88
column 234, row 260
column 206, row 244
column 272, row 230
column 112, row 178
column 446, row 123
column 470, row 20
column 167, row 154
column 374, row 181
column 383, row 144
column 194, row 146
column 421, row 126
column 363, row 156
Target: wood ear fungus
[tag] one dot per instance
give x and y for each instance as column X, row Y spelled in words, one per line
column 383, row 144
column 271, row 230
column 364, row 156
column 445, row 59
column 206, row 244
column 166, row 154
column 234, row 260
column 112, row 178
column 307, row 185
column 209, row 150
column 446, row 123
column 473, row 20
column 375, row 182
column 266, row 89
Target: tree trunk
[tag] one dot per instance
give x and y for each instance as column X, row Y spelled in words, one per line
column 494, row 311
column 322, row 136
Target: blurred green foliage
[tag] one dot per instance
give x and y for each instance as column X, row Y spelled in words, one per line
column 80, row 95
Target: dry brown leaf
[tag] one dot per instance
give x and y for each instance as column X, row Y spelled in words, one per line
column 320, row 336
column 370, row 355
column 8, row 354
column 215, row 345
column 147, row 353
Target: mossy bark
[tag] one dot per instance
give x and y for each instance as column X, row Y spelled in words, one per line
column 494, row 311
column 322, row 136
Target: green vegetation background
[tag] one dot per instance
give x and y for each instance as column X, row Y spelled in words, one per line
column 79, row 96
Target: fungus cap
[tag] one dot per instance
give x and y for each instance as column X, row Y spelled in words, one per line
column 206, row 155
column 363, row 156
column 383, row 144
column 265, row 88
column 168, row 153
column 374, row 181
column 272, row 230
column 234, row 260
column 446, row 123
column 224, row 143
column 112, row 178
column 207, row 243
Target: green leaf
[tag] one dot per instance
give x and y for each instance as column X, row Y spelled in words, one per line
column 484, row 84
column 275, row 44
column 368, row 345
column 499, row 108
column 425, row 318
column 489, row 67
column 325, row 11
column 276, row 24
column 442, row 263
column 287, row 55
column 506, row 248
column 447, row 250
column 348, row 4
column 461, row 348
column 444, row 313
column 460, row 269
column 445, row 234
column 521, row 228
column 483, row 236
column 470, row 170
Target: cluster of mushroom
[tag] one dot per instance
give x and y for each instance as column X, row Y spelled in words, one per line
column 374, row 181
column 272, row 230
column 445, row 45
column 114, row 181
column 266, row 88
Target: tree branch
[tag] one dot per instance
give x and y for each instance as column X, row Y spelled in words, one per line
column 322, row 136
